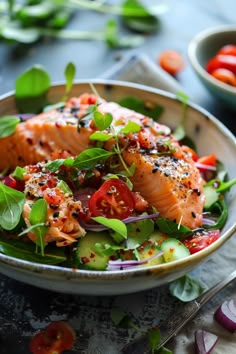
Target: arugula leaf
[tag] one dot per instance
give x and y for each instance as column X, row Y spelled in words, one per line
column 113, row 224
column 91, row 157
column 26, row 251
column 186, row 288
column 31, row 89
column 11, row 206
column 172, row 229
column 149, row 109
column 8, row 125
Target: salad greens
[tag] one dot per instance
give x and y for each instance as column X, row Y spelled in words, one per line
column 30, row 20
column 148, row 236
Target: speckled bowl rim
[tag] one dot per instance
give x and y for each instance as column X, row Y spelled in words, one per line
column 128, row 273
column 192, row 54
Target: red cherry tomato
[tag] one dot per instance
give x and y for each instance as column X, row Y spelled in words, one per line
column 228, row 49
column 199, row 242
column 225, row 76
column 190, row 152
column 222, row 61
column 112, row 200
column 55, row 339
column 171, row 61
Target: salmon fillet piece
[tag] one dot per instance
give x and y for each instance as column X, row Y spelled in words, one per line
column 173, row 186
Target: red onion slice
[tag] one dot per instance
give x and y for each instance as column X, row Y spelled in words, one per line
column 118, row 265
column 205, row 167
column 204, row 341
column 225, row 315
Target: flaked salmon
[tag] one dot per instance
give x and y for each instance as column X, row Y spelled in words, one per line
column 165, row 175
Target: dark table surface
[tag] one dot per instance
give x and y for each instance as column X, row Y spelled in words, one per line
column 26, row 309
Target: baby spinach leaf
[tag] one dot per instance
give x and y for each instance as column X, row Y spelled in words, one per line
column 91, row 157
column 138, row 232
column 186, row 288
column 113, row 224
column 31, row 89
column 11, row 206
column 8, row 125
column 149, row 109
column 172, row 229
column 26, row 251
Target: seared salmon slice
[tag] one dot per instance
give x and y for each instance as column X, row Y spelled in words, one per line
column 173, row 186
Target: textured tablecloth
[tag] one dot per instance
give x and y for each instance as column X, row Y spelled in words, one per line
column 26, row 309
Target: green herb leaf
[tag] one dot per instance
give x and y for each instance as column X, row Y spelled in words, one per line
column 64, row 187
column 18, row 173
column 11, row 206
column 102, row 121
column 56, row 164
column 70, row 72
column 131, row 127
column 8, row 125
column 91, row 157
column 12, row 32
column 26, row 251
column 219, row 208
column 138, row 232
column 113, row 224
column 31, row 89
column 172, row 229
column 100, row 136
column 154, row 339
column 179, row 133
column 122, row 320
column 38, row 216
column 186, row 288
column 149, row 109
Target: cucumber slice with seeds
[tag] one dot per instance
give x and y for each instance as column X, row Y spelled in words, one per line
column 174, row 250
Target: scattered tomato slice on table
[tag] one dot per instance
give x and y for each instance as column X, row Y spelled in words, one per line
column 171, row 61
column 112, row 200
column 55, row 339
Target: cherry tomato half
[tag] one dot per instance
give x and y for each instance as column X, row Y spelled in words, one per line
column 222, row 61
column 228, row 49
column 171, row 61
column 199, row 242
column 112, row 200
column 224, row 75
column 55, row 339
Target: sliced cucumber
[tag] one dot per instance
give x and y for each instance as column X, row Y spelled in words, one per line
column 87, row 255
column 174, row 250
column 211, row 196
column 149, row 251
column 158, row 237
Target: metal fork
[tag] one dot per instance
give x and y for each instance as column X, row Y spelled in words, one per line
column 179, row 320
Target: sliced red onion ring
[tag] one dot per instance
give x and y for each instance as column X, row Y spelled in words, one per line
column 204, row 341
column 130, row 219
column 205, row 167
column 118, row 265
column 25, row 116
column 225, row 315
column 207, row 221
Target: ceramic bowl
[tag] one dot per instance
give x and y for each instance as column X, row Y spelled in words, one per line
column 209, row 134
column 203, row 47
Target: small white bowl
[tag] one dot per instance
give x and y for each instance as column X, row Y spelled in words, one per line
column 203, row 47
column 209, row 134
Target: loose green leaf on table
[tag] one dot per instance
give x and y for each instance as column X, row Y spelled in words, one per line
column 186, row 288
column 145, row 22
